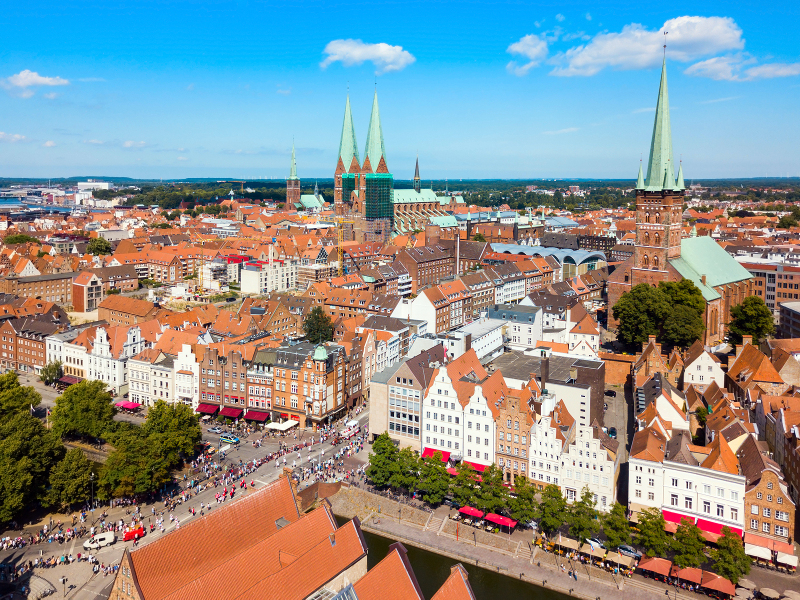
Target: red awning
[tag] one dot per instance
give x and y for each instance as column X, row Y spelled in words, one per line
column 428, row 452
column 710, row 537
column 501, row 520
column 233, row 413
column 720, row 584
column 208, row 409
column 284, row 416
column 674, row 517
column 690, row 574
column 70, row 379
column 452, row 471
column 656, row 565
column 670, row 527
column 256, row 415
column 128, row 405
column 472, row 512
column 713, row 527
column 478, row 467
column 757, row 540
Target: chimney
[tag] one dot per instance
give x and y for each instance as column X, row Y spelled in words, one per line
column 545, row 372
column 703, row 279
column 747, row 339
column 432, row 235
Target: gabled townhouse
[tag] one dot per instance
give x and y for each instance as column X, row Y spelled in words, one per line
column 592, row 459
column 481, row 289
column 584, row 338
column 524, row 324
column 659, row 398
column 701, row 368
column 24, row 342
column 549, row 436
column 651, row 361
column 509, row 283
column 187, row 377
column 102, row 353
column 516, row 416
column 751, row 373
column 151, row 377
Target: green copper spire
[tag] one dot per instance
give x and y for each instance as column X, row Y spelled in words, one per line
column 375, row 150
column 640, row 179
column 693, row 232
column 348, row 149
column 293, row 170
column 660, row 171
column 680, row 185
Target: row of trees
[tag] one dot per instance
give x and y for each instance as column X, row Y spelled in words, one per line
column 673, row 312
column 405, row 470
column 36, row 467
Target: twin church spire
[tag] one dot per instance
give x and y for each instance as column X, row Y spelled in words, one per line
column 374, row 152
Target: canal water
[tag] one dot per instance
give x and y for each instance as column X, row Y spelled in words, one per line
column 433, row 569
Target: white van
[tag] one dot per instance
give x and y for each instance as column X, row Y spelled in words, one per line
column 99, row 540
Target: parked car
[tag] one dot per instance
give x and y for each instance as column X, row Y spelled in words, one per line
column 611, row 393
column 612, row 433
column 99, row 540
column 596, row 542
column 626, row 550
column 215, row 430
column 133, row 534
column 228, row 439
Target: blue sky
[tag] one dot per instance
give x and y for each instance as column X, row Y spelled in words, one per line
column 480, row 90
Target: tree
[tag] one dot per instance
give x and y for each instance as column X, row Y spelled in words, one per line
column 318, row 327
column 551, row 511
column 406, row 475
column 751, row 317
column 83, row 409
column 702, row 414
column 730, row 560
column 99, row 246
column 137, row 464
column 683, row 326
column 14, row 398
column 786, row 222
column 51, row 372
column 522, row 506
column 479, row 237
column 616, row 526
column 19, row 238
column 434, row 479
column 492, row 495
column 27, row 453
column 382, row 461
column 174, row 428
column 464, row 486
column 652, row 533
column 688, row 545
column 683, row 293
column 69, row 480
column 582, row 516
column 640, row 313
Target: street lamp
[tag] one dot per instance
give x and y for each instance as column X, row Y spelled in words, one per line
column 91, row 481
column 64, row 581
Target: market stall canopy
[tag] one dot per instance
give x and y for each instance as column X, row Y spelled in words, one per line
column 620, row 559
column 791, row 594
column 566, row 542
column 656, row 565
column 689, row 574
column 787, row 559
column 256, row 415
column 720, row 584
column 429, row 452
column 472, row 512
column 749, row 585
column 128, row 405
column 757, row 552
column 769, row 593
column 597, row 552
column 286, row 425
column 501, row 520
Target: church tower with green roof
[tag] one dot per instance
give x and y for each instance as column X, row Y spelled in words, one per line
column 292, row 183
column 659, row 200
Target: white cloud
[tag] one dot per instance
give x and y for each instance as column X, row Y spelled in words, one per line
column 560, row 131
column 588, row 16
column 49, row 144
column 538, row 24
column 560, row 17
column 132, row 144
column 11, row 137
column 715, row 100
column 386, row 58
column 644, row 110
column 27, row 78
column 741, row 67
column 90, row 79
column 637, row 47
column 182, row 158
column 95, row 142
column 531, row 47
column 285, row 91
column 51, row 95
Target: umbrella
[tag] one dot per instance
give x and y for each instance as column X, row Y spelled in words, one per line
column 791, row 594
column 770, row 593
column 746, row 584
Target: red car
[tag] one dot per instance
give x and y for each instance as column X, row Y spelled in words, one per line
column 131, row 535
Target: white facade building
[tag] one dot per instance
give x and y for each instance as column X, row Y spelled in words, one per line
column 262, row 277
column 549, row 435
column 590, row 461
column 187, row 377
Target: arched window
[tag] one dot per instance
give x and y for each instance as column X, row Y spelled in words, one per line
column 658, row 218
column 658, row 239
column 655, row 262
column 647, row 217
column 646, row 238
column 645, row 261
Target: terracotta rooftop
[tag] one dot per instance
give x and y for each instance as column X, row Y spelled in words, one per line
column 393, row 576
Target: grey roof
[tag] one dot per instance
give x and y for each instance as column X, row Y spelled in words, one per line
column 387, row 373
column 384, row 323
column 513, row 312
column 516, row 365
column 481, row 327
column 576, row 257
column 678, row 450
column 53, row 277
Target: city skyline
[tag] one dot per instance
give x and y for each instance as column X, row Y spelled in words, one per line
column 516, row 93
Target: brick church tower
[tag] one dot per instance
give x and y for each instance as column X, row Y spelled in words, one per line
column 293, row 183
column 659, row 202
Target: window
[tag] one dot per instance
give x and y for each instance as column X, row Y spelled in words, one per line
column 673, row 500
column 720, row 492
column 754, row 524
column 769, row 485
column 687, row 503
column 767, row 512
column 781, row 516
column 688, row 485
column 735, row 496
column 754, row 509
column 674, row 482
column 638, row 479
column 638, row 493
column 765, row 527
column 769, row 497
column 707, row 507
column 652, row 482
column 734, row 514
column 782, row 531
column 759, row 495
column 720, row 510
column 651, row 495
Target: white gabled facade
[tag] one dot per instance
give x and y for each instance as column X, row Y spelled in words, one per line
column 442, row 416
column 702, row 371
column 187, row 377
column 549, row 436
column 110, row 365
column 586, row 462
column 479, row 433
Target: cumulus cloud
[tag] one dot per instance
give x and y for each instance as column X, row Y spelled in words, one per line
column 588, row 16
column 11, row 137
column 49, row 144
column 741, row 67
column 51, row 95
column 636, row 47
column 350, row 52
column 95, row 142
column 560, row 17
column 27, row 78
column 182, row 158
column 560, row 131
column 132, row 144
column 531, row 47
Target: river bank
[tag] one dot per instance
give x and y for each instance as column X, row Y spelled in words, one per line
column 539, row 572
